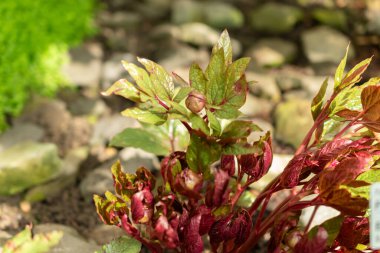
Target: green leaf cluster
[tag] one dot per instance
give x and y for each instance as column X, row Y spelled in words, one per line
column 24, row 242
column 34, row 38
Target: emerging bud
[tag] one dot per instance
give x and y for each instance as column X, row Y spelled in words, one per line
column 195, row 101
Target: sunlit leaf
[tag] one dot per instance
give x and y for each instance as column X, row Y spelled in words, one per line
column 151, row 117
column 317, row 103
column 123, row 244
column 340, row 70
column 198, row 79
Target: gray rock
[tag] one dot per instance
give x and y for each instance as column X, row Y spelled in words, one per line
column 120, row 19
column 297, row 94
column 104, row 234
column 272, row 52
column 265, row 87
column 222, row 15
column 154, row 9
column 85, row 66
column 372, row 15
column 71, row 241
column 113, row 70
column 182, row 56
column 186, row 11
column 85, row 106
column 20, row 133
column 27, row 164
column 292, row 121
column 288, row 83
column 10, row 217
column 67, row 177
column 97, row 181
column 106, row 128
column 134, row 158
column 275, row 18
column 257, row 107
column 331, row 17
column 331, row 50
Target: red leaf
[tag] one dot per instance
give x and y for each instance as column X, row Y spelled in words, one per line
column 370, row 98
column 235, row 226
column 164, row 232
column 292, row 172
column 314, row 245
column 348, row 114
column 217, row 193
column 353, row 231
column 228, row 164
column 142, row 206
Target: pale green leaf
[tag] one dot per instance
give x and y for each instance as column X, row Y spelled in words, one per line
column 123, row 244
column 340, row 70
column 198, row 79
column 201, row 154
column 215, row 73
column 224, row 42
column 197, row 123
column 181, row 93
column 163, row 84
column 239, row 129
column 234, row 72
column 146, row 116
column 143, row 139
column 214, row 123
column 354, row 75
column 125, row 89
column 317, row 103
column 241, row 149
column 141, row 78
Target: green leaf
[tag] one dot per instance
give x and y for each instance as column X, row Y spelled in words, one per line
column 340, row 70
column 224, row 43
column 239, row 129
column 241, row 149
column 234, row 72
column 181, row 94
column 141, row 138
column 123, row 244
column 141, row 78
column 197, row 123
column 152, row 117
column 179, row 80
column 201, row 154
column 228, row 112
column 332, row 227
column 24, row 242
column 215, row 73
column 214, row 123
column 354, row 75
column 198, row 79
column 163, row 84
column 125, row 89
column 317, row 103
column 370, row 176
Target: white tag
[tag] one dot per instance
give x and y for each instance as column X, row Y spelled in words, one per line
column 375, row 216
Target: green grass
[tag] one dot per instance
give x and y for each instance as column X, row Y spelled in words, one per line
column 34, row 38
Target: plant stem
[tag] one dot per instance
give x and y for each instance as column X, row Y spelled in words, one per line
column 311, row 219
column 341, row 132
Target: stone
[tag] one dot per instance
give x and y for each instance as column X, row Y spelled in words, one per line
column 288, row 83
column 107, row 127
column 372, row 17
column 182, row 56
column 292, row 121
column 28, row 164
column 257, row 107
column 324, row 3
column 186, row 11
column 123, row 19
column 97, row 181
column 10, row 217
column 103, row 234
column 265, row 86
column 198, row 34
column 71, row 240
column 272, row 52
column 135, row 158
column 331, row 50
column 20, row 133
column 113, row 69
column 85, row 66
column 222, row 15
column 70, row 168
column 331, row 17
column 154, row 9
column 87, row 106
column 275, row 18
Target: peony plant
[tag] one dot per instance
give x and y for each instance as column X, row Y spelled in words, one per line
column 208, row 164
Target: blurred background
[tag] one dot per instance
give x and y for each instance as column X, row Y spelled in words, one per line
column 57, row 56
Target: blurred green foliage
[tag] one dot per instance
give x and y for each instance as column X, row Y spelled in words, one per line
column 34, row 38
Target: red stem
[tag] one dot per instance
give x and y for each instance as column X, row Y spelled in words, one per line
column 311, row 219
